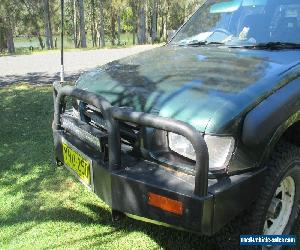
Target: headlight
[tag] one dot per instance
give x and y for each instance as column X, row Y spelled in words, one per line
column 220, row 149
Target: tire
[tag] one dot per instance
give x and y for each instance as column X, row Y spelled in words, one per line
column 283, row 179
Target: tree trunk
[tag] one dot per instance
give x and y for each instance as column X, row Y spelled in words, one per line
column 39, row 37
column 113, row 27
column 10, row 40
column 48, row 26
column 134, row 8
column 101, row 26
column 119, row 28
column 37, row 33
column 141, row 23
column 3, row 42
column 82, row 25
column 154, row 21
column 93, row 24
column 166, row 26
column 162, row 27
column 74, row 20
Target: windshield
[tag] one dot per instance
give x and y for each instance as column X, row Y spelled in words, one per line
column 242, row 23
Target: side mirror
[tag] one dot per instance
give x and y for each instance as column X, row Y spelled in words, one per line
column 170, row 34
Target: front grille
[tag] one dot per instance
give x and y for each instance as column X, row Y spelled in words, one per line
column 129, row 132
column 75, row 127
column 136, row 140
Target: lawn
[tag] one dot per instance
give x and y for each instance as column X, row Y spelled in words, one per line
column 23, row 44
column 44, row 207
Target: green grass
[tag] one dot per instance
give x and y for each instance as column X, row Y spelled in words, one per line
column 44, row 207
column 23, row 44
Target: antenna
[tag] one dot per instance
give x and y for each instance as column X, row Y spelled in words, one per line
column 62, row 73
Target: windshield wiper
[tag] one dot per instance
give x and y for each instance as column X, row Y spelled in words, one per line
column 271, row 46
column 202, row 43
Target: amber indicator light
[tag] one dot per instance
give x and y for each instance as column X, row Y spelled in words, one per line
column 166, row 204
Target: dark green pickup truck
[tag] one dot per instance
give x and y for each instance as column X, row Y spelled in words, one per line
column 201, row 134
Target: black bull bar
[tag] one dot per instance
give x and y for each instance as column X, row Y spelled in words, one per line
column 112, row 115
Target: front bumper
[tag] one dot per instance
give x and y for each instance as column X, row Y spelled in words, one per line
column 124, row 182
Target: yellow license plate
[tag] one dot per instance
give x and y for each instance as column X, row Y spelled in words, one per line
column 78, row 163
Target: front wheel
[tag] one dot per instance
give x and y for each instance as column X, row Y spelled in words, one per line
column 280, row 208
column 277, row 207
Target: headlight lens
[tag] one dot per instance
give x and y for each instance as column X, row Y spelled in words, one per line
column 182, row 146
column 220, row 149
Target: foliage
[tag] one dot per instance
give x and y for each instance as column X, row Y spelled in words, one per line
column 32, row 18
column 126, row 17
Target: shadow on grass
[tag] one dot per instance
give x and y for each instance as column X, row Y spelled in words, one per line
column 36, row 78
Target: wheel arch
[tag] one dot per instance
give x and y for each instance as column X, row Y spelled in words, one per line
column 289, row 132
column 274, row 119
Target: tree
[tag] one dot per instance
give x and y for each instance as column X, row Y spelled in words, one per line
column 119, row 27
column 141, row 23
column 9, row 14
column 113, row 24
column 117, row 7
column 48, row 25
column 74, row 21
column 134, row 8
column 93, row 23
column 101, row 25
column 100, row 19
column 154, row 21
column 10, row 38
column 3, row 42
column 32, row 18
column 82, row 25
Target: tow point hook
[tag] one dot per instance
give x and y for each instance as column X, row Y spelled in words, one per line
column 117, row 215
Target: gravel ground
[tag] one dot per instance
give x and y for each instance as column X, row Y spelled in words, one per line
column 43, row 68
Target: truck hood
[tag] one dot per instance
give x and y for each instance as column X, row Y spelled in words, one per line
column 211, row 88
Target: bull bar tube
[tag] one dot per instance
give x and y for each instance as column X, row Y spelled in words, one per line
column 209, row 203
column 113, row 114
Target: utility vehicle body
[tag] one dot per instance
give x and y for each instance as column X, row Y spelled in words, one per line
column 192, row 134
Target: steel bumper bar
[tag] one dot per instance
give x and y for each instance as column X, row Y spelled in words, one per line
column 112, row 116
column 124, row 182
